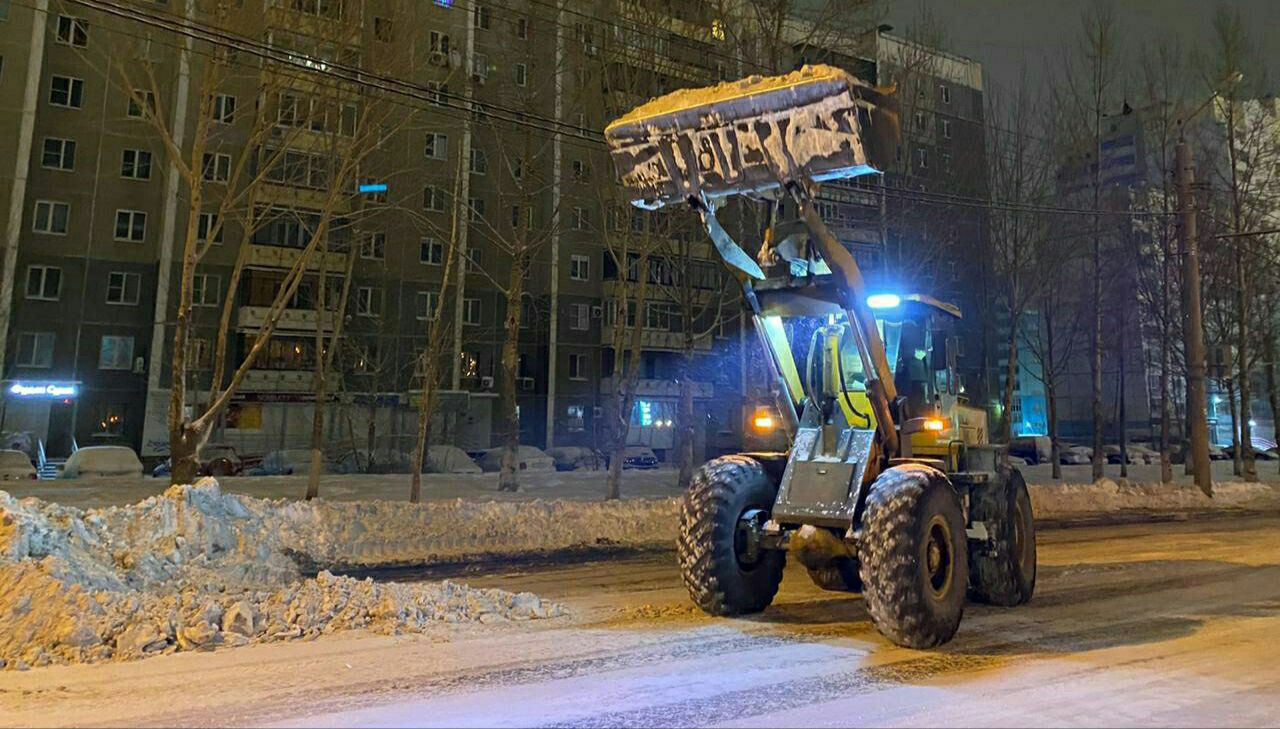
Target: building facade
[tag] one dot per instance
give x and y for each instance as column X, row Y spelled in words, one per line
column 487, row 120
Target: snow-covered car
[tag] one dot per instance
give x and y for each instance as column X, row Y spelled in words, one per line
column 449, row 459
column 286, row 462
column 216, row 459
column 1076, row 455
column 102, row 462
column 641, row 457
column 1139, row 453
column 1218, row 453
column 573, row 458
column 528, row 458
column 16, row 466
column 381, row 460
column 1112, row 452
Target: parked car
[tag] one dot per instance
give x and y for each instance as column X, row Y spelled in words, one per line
column 641, row 457
column 1076, row 455
column 381, row 460
column 1032, row 448
column 286, row 462
column 1218, row 453
column 102, row 462
column 1112, row 452
column 1139, row 453
column 16, row 466
column 216, row 459
column 573, row 458
column 528, row 458
column 449, row 459
column 1258, row 454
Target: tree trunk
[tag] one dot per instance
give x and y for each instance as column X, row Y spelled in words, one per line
column 617, row 453
column 1273, row 395
column 508, row 475
column 1122, row 416
column 371, row 431
column 424, row 426
column 184, row 455
column 1055, row 451
column 686, row 433
column 1011, row 378
column 1244, row 451
column 1235, row 426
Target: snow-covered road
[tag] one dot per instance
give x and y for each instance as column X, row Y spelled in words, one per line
column 1143, row 624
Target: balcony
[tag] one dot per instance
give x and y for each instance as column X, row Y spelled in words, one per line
column 265, row 256
column 297, row 320
column 657, row 339
column 662, row 388
column 286, row 381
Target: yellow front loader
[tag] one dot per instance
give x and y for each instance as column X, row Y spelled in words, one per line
column 888, row 486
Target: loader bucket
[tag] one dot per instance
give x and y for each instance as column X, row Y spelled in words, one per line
column 752, row 136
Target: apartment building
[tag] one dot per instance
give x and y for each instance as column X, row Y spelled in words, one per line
column 99, row 213
column 499, row 110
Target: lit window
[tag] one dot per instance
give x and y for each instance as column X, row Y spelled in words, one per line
column 116, row 353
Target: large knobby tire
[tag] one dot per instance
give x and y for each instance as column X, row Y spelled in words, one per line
column 1004, row 573
column 914, row 560
column 722, row 575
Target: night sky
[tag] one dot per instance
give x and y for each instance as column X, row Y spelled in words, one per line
column 1002, row 34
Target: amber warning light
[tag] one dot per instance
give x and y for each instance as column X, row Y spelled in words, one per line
column 763, row 420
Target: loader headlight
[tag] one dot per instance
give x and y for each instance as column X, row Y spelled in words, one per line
column 936, row 425
column 883, row 301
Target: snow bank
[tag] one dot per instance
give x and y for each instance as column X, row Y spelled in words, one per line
column 1059, row 501
column 196, row 569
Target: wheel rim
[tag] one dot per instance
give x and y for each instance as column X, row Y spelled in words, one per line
column 938, row 557
column 746, row 539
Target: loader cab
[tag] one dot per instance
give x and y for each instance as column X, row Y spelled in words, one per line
column 813, row 344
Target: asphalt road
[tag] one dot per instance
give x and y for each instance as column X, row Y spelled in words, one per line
column 1172, row 623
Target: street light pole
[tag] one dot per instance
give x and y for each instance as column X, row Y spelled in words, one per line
column 1193, row 331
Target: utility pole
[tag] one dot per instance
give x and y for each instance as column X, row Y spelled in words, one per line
column 1193, row 332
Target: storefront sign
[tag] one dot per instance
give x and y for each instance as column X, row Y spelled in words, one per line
column 44, row 389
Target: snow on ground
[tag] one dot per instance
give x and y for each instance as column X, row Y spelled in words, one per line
column 196, row 568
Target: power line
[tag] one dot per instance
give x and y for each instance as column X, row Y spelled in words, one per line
column 202, row 31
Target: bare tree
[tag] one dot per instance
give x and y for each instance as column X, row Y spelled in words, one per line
column 225, row 161
column 1252, row 152
column 1088, row 84
column 1020, row 174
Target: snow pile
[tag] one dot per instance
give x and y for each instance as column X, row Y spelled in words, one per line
column 1109, row 497
column 193, row 569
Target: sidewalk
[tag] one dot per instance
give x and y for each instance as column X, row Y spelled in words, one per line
column 567, row 486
